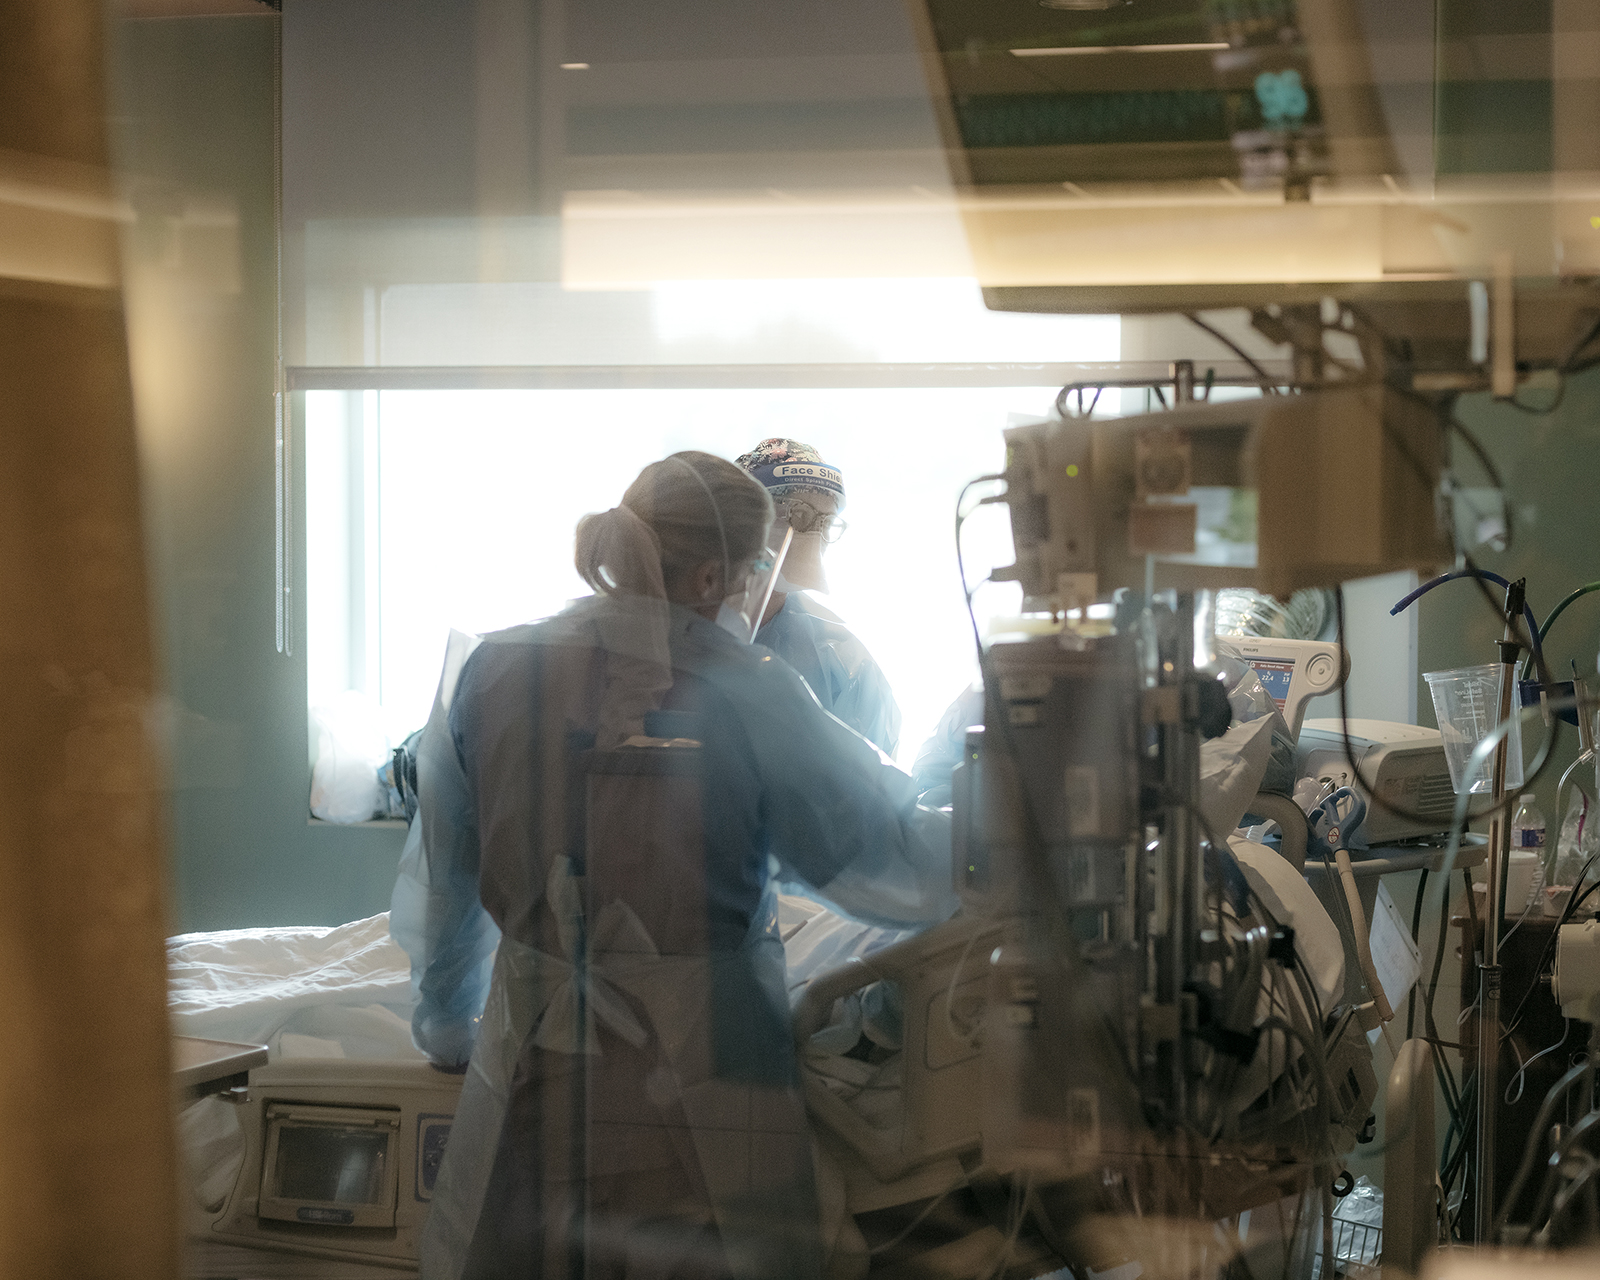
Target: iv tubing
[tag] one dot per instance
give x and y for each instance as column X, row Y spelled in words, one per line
column 1571, row 598
column 1555, row 613
column 1535, row 632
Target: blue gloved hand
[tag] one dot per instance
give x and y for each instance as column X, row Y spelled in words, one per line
column 447, row 1041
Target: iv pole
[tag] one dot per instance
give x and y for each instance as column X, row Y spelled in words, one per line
column 1489, row 973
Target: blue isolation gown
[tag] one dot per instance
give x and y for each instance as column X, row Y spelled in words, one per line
column 838, row 668
column 944, row 747
column 632, row 1096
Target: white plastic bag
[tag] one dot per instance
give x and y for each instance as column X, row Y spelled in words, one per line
column 351, row 747
column 1231, row 769
column 1249, row 701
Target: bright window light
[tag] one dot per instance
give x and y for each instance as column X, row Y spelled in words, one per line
column 432, row 510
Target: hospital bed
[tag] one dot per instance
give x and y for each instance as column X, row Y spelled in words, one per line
column 885, row 1026
column 333, row 1007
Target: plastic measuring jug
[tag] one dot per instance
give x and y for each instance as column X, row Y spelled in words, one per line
column 1467, row 704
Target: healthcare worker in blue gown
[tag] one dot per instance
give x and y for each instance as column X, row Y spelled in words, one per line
column 608, row 795
column 809, row 495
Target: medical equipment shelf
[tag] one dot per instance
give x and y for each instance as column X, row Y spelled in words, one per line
column 1388, row 860
column 201, row 1067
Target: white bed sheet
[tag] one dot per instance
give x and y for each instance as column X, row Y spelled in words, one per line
column 345, row 992
column 303, row 991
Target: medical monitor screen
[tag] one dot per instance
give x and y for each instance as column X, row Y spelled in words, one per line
column 1275, row 678
column 1176, row 155
column 1159, row 91
column 1127, row 93
column 329, row 1164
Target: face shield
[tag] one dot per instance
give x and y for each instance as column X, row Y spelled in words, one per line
column 814, row 518
column 740, row 613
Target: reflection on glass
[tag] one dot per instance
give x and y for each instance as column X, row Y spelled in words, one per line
column 428, row 510
column 324, row 1164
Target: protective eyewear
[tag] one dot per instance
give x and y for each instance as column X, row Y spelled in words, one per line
column 741, row 612
column 805, row 518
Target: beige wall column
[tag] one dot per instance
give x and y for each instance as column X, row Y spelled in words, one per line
column 88, row 1180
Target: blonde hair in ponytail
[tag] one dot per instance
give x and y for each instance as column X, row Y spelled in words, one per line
column 679, row 513
column 615, row 552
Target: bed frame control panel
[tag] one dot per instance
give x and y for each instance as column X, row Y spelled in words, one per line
column 340, row 1158
column 330, row 1165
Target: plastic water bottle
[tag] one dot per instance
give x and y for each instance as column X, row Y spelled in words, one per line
column 1527, row 827
column 1528, row 839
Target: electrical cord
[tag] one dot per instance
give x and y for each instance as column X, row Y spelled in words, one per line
column 1080, row 388
column 1003, row 1258
column 969, row 591
column 1490, row 469
column 1527, row 910
column 1448, row 1086
column 1139, row 384
column 1447, row 415
column 1561, row 608
column 969, row 1036
column 1542, row 410
column 1311, row 1039
column 1573, row 903
column 1567, row 1198
column 1573, row 351
column 1520, row 1077
column 1553, row 1169
column 1428, row 1023
column 1466, row 1137
column 917, row 1221
column 1416, row 939
column 1268, row 386
column 1467, row 1113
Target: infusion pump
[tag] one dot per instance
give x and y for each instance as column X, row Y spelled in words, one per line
column 340, row 1161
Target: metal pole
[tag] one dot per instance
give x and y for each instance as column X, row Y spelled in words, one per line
column 1182, row 381
column 1184, row 781
column 1489, row 974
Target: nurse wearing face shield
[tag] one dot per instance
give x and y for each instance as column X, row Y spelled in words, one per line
column 607, row 798
column 808, row 495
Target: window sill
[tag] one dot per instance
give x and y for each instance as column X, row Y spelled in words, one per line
column 379, row 824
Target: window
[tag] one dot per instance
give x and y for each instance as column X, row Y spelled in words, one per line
column 441, row 508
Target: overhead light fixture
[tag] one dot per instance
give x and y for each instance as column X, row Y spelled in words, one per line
column 1071, row 50
column 574, row 66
